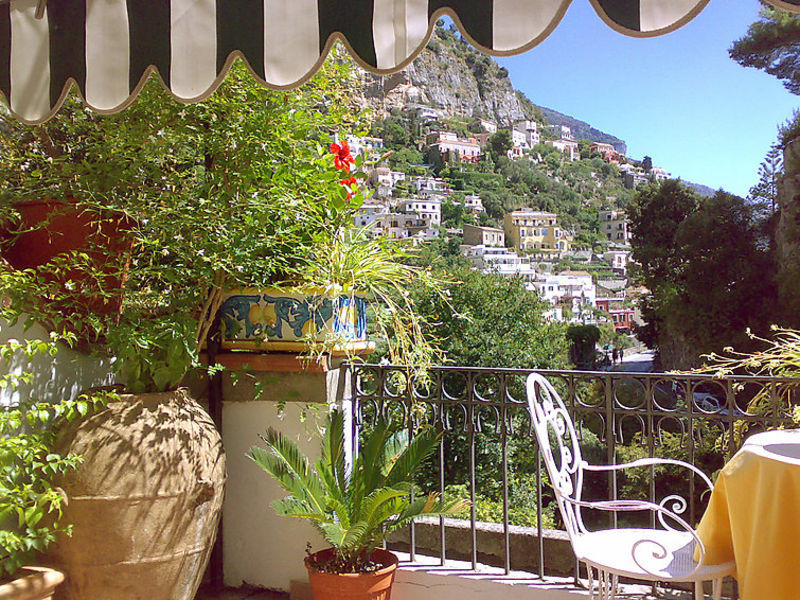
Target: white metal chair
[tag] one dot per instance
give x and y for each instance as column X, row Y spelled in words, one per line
column 643, row 554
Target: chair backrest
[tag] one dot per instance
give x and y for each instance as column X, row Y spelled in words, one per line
column 558, row 444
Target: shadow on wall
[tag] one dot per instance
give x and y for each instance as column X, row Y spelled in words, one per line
column 54, row 377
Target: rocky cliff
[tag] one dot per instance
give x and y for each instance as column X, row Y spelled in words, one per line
column 459, row 81
column 453, row 78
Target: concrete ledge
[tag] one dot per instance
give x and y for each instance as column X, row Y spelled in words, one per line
column 559, row 559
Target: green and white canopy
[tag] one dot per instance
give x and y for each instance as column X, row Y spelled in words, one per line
column 108, row 47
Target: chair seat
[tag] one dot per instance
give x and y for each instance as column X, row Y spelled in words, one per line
column 661, row 556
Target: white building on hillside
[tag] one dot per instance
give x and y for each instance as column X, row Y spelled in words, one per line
column 574, row 289
column 369, row 213
column 381, row 179
column 431, row 185
column 568, row 147
column 473, row 203
column 530, row 129
column 502, row 261
column 618, row 260
column 660, row 173
column 427, row 209
column 614, row 225
column 366, row 145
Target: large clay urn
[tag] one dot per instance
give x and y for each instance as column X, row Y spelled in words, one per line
column 144, row 504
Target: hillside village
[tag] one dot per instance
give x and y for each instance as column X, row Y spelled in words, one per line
column 456, row 154
column 532, row 245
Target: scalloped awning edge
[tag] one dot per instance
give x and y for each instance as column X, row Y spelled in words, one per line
column 191, row 44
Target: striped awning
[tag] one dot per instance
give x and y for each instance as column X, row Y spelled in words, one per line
column 109, row 47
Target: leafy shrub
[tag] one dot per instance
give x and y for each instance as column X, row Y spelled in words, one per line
column 30, row 503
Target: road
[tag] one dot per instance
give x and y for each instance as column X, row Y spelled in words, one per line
column 638, row 362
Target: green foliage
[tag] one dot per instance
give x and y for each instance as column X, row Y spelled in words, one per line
column 775, row 357
column 238, row 191
column 394, row 131
column 153, row 351
column 405, row 159
column 772, row 44
column 353, row 510
column 490, row 321
column 216, row 194
column 764, row 194
column 521, row 504
column 500, row 143
column 790, row 129
column 583, row 339
column 30, row 503
column 701, row 261
column 353, row 262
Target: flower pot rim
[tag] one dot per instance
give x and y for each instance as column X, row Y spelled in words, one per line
column 31, row 582
column 388, row 557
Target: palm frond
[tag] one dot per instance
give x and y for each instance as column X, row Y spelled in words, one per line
column 418, row 450
column 292, row 507
column 333, row 450
column 290, row 467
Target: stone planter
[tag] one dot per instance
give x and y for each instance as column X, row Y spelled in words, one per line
column 33, row 583
column 271, row 319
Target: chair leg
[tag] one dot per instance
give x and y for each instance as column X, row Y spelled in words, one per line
column 698, row 591
column 590, row 571
column 716, row 587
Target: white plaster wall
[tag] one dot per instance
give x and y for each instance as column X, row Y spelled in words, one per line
column 62, row 376
column 259, row 547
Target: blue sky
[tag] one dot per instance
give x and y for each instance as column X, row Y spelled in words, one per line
column 678, row 98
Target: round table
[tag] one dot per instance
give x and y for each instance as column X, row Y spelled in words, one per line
column 753, row 516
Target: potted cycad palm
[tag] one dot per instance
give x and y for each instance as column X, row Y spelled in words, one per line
column 355, row 506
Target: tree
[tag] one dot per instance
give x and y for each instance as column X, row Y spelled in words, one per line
column 500, row 143
column 764, row 194
column 647, row 164
column 709, row 277
column 394, row 132
column 583, row 339
column 772, row 44
column 492, row 321
column 403, row 158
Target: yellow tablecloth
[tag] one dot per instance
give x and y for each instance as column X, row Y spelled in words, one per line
column 753, row 517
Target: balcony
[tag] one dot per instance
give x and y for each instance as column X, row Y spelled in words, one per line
column 483, row 416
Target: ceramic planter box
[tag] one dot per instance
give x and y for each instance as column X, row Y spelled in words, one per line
column 270, row 319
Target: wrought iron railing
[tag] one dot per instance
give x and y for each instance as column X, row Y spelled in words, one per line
column 703, row 418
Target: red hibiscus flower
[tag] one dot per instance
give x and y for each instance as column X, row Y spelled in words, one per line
column 349, row 183
column 342, row 158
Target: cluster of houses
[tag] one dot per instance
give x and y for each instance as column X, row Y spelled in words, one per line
column 573, row 296
column 524, row 135
column 530, row 243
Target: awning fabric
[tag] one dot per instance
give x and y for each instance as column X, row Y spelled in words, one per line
column 109, row 47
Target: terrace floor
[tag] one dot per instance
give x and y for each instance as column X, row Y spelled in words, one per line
column 425, row 579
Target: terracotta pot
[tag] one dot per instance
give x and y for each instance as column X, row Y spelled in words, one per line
column 145, row 502
column 33, row 583
column 353, row 586
column 272, row 319
column 59, row 226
